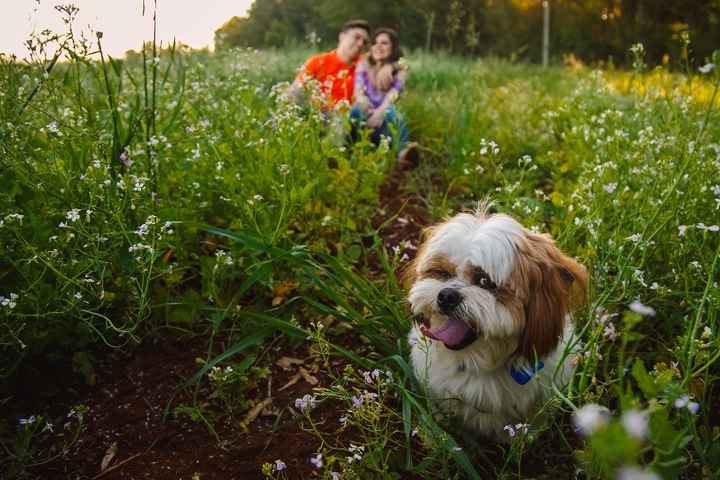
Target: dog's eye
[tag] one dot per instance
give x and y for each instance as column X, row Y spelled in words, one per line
column 440, row 274
column 482, row 280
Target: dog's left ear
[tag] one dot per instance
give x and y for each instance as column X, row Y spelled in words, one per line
column 556, row 284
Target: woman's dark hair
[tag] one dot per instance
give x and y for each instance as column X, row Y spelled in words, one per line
column 395, row 51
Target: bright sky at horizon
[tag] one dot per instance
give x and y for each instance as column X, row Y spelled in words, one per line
column 123, row 25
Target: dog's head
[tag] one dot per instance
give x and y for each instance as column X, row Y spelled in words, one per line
column 484, row 276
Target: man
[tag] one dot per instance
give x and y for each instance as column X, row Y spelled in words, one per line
column 335, row 70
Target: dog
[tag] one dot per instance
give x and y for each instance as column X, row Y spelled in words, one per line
column 495, row 301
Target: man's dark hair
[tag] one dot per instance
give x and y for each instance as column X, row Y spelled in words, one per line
column 356, row 24
column 395, row 51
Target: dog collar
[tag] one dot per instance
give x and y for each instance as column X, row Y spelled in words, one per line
column 523, row 374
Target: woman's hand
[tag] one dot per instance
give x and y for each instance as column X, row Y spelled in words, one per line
column 376, row 118
column 362, row 101
column 384, row 77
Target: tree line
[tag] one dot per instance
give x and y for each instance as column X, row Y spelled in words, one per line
column 675, row 32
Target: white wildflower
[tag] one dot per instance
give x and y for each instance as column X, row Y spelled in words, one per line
column 9, row 302
column 306, row 403
column 707, row 68
column 609, row 332
column 643, row 310
column 317, row 460
column 635, row 237
column 635, row 473
column 610, row 187
column 73, row 215
column 635, row 423
column 590, row 418
column 28, row 421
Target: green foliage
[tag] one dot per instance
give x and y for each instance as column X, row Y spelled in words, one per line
column 679, row 33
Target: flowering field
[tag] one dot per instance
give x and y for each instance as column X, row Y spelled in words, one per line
column 177, row 203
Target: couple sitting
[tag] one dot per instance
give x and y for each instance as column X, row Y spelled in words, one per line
column 370, row 83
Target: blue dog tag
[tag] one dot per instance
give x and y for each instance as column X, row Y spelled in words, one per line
column 524, row 374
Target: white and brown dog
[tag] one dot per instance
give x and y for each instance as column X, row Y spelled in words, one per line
column 495, row 302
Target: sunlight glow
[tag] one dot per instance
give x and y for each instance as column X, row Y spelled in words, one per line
column 122, row 22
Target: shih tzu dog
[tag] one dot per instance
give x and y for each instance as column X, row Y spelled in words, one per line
column 495, row 302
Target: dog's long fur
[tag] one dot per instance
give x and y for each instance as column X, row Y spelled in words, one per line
column 517, row 291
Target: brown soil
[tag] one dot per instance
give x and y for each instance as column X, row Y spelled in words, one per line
column 128, row 401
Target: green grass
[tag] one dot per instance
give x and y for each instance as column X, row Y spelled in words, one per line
column 177, row 195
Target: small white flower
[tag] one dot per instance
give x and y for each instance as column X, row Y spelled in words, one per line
column 635, row 237
column 357, row 453
column 9, row 302
column 635, row 473
column 707, row 68
column 681, row 230
column 523, row 428
column 306, row 403
column 317, row 460
column 643, row 310
column 28, row 421
column 609, row 332
column 635, row 423
column 681, row 402
column 73, row 215
column 280, row 465
column 510, row 430
column 590, row 418
column 13, row 216
column 610, row 187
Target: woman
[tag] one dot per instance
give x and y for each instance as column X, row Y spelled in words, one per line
column 379, row 80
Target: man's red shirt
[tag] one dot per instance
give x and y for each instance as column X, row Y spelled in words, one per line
column 335, row 77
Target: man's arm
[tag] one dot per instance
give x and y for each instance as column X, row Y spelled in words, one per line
column 389, row 72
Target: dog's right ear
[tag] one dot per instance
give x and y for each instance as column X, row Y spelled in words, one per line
column 556, row 284
column 409, row 272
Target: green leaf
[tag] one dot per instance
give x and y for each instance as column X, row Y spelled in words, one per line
column 645, row 381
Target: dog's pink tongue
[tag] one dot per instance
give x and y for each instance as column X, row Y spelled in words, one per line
column 451, row 333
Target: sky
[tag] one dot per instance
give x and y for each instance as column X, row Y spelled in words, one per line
column 192, row 22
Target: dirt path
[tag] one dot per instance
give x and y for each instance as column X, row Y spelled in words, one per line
column 128, row 402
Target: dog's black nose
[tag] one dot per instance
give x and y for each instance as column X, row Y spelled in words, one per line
column 448, row 299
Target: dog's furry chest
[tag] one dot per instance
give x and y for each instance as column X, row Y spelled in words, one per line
column 484, row 399
column 455, row 380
